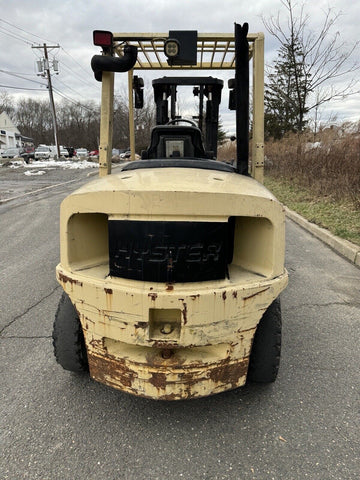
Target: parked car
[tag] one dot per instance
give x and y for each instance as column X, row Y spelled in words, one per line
column 42, row 152
column 28, row 154
column 12, row 153
column 72, row 151
column 64, row 152
column 94, row 153
column 82, row 153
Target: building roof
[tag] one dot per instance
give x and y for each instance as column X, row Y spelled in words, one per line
column 7, row 124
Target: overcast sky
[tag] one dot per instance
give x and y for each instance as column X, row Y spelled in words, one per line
column 70, row 23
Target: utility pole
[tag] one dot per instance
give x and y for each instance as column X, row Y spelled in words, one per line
column 45, row 71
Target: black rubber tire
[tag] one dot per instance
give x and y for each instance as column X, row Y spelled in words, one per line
column 265, row 354
column 68, row 337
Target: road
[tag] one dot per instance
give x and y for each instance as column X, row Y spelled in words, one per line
column 57, row 425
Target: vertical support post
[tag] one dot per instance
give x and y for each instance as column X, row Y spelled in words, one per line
column 242, row 98
column 131, row 115
column 106, row 123
column 173, row 102
column 257, row 167
column 201, row 107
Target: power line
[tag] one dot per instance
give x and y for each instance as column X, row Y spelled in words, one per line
column 7, row 32
column 22, row 30
column 16, row 73
column 67, row 53
column 15, row 36
column 68, row 87
column 74, row 102
column 81, row 78
column 12, row 74
column 21, row 88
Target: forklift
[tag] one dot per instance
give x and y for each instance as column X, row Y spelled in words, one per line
column 172, row 266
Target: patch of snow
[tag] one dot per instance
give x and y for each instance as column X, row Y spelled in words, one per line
column 65, row 164
column 311, row 146
column 16, row 164
column 39, row 172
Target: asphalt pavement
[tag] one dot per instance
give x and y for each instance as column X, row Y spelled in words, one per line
column 58, row 425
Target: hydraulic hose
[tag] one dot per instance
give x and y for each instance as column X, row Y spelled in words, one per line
column 107, row 63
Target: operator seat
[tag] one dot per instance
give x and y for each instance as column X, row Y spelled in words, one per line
column 175, row 141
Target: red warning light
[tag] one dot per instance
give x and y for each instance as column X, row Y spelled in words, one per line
column 102, row 38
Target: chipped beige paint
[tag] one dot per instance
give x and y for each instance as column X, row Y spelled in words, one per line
column 171, row 341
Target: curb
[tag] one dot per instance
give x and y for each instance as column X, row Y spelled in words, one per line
column 345, row 248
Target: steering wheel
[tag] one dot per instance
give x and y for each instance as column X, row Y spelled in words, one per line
column 177, row 120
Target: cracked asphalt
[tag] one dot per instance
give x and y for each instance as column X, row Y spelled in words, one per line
column 57, row 425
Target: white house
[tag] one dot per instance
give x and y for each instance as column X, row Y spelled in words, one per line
column 10, row 135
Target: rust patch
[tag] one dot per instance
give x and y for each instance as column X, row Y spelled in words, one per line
column 224, row 296
column 194, row 297
column 141, row 325
column 153, row 296
column 108, row 292
column 63, row 278
column 169, row 287
column 167, row 353
column 184, row 312
column 155, row 360
column 158, row 380
column 229, row 374
column 234, row 294
column 96, row 344
column 105, row 367
column 164, row 344
column 188, row 379
column 254, row 294
column 170, row 397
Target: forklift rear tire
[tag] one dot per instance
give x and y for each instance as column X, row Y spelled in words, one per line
column 265, row 354
column 68, row 337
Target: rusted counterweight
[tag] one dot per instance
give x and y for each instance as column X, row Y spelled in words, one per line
column 180, row 364
column 171, row 340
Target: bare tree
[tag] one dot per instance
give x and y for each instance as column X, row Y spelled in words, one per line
column 319, row 59
column 6, row 103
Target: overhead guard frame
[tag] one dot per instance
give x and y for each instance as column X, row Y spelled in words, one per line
column 215, row 51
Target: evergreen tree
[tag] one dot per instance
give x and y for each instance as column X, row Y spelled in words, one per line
column 286, row 92
column 221, row 133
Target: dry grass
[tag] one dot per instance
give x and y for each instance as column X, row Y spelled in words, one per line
column 318, row 177
column 328, row 167
column 227, row 152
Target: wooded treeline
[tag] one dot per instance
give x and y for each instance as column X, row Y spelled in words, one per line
column 78, row 124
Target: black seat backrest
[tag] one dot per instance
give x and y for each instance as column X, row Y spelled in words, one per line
column 174, row 141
